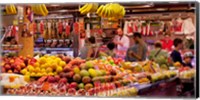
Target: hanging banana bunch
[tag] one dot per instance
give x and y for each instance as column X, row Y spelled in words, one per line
column 11, row 9
column 89, row 8
column 40, row 9
column 111, row 10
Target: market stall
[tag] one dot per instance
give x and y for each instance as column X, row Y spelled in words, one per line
column 47, row 41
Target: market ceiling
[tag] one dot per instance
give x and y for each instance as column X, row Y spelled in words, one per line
column 136, row 8
column 131, row 8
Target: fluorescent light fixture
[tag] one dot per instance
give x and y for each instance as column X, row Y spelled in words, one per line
column 55, row 5
column 173, row 2
column 160, row 9
column 192, row 7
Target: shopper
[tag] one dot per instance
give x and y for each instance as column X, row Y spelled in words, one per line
column 138, row 51
column 110, row 51
column 121, row 40
column 90, row 50
column 176, row 55
column 158, row 53
column 187, row 59
column 82, row 38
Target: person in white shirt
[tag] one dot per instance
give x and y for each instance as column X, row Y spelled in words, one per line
column 121, row 40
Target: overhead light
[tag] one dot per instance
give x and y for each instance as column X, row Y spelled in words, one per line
column 173, row 2
column 160, row 9
column 192, row 7
column 55, row 5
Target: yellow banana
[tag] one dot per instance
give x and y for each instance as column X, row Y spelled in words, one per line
column 99, row 9
column 11, row 9
column 95, row 7
column 44, row 9
column 87, row 10
column 7, row 10
column 14, row 8
column 32, row 8
column 84, row 7
column 103, row 11
column 36, row 9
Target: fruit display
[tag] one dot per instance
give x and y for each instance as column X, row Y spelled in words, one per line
column 89, row 8
column 126, row 92
column 111, row 10
column 187, row 74
column 40, row 9
column 46, row 65
column 64, row 76
column 14, row 64
column 11, row 9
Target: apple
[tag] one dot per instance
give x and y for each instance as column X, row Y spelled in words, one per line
column 73, row 85
column 7, row 66
column 51, row 79
column 57, row 78
column 63, row 80
column 81, row 92
column 67, row 69
column 71, row 91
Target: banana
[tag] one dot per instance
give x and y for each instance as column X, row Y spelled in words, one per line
column 84, row 7
column 33, row 8
column 44, row 9
column 95, row 7
column 37, row 9
column 11, row 9
column 100, row 9
column 103, row 12
column 86, row 10
column 15, row 11
column 7, row 10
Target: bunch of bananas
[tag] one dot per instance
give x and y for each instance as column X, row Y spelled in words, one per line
column 111, row 10
column 89, row 8
column 40, row 9
column 11, row 9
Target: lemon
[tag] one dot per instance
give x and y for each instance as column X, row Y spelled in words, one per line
column 24, row 71
column 36, row 64
column 59, row 69
column 37, row 69
column 27, row 78
column 49, row 69
column 33, row 74
column 62, row 63
column 30, row 68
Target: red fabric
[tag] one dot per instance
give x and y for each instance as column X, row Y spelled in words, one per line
column 67, row 29
column 34, row 27
column 41, row 28
column 76, row 28
column 167, row 45
column 130, row 29
column 60, row 27
column 13, row 31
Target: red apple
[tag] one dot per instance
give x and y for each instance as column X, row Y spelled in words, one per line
column 57, row 78
column 67, row 68
column 63, row 80
column 71, row 91
column 7, row 66
column 51, row 79
column 73, row 85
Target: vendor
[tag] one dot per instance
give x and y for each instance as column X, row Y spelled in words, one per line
column 90, row 50
column 110, row 51
column 167, row 43
column 121, row 40
column 138, row 51
column 187, row 59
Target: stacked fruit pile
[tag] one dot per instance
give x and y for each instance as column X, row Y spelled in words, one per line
column 187, row 73
column 46, row 65
column 14, row 65
column 126, row 92
column 40, row 9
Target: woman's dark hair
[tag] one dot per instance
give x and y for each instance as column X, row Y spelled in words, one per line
column 158, row 45
column 177, row 41
column 92, row 39
column 111, row 46
column 137, row 34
